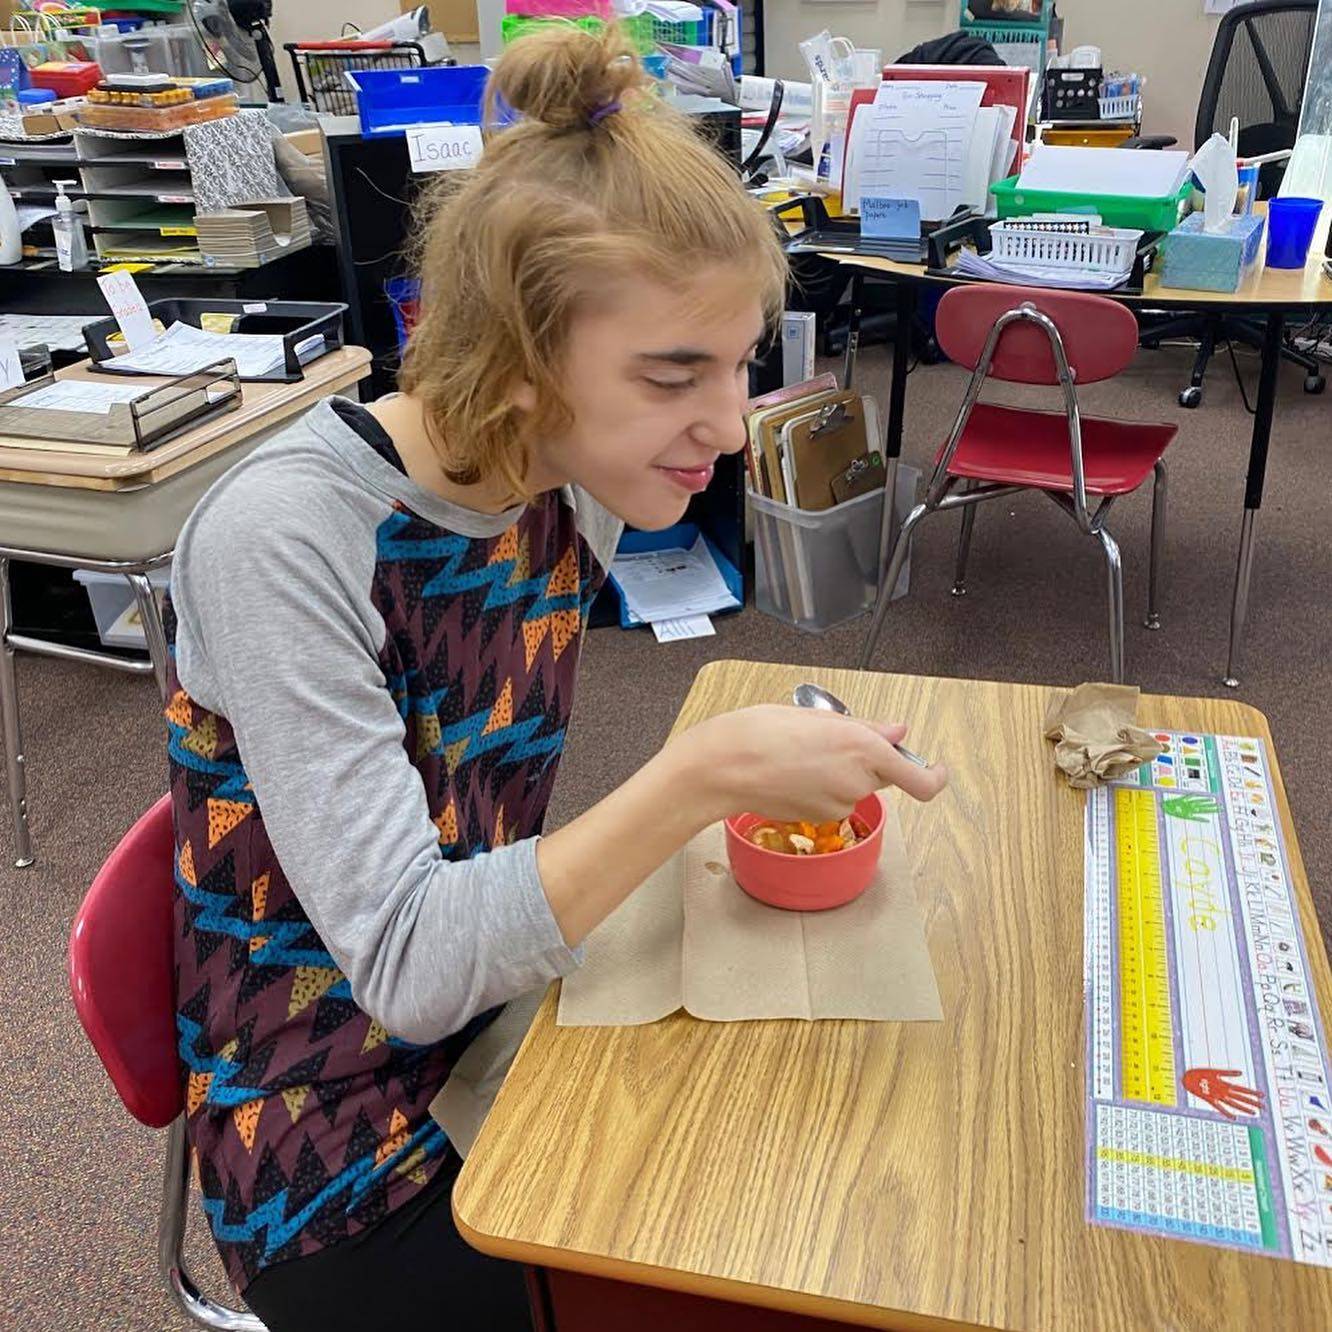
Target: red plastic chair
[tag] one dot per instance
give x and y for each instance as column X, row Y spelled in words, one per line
column 1058, row 338
column 122, row 977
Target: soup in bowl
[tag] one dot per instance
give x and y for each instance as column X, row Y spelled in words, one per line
column 829, row 868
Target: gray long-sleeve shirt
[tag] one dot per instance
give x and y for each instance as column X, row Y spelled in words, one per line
column 372, row 691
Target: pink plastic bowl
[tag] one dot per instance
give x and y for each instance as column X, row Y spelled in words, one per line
column 805, row 883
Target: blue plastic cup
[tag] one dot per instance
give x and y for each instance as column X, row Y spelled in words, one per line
column 1291, row 223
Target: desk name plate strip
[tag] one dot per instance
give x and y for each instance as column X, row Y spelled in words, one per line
column 1209, row 1108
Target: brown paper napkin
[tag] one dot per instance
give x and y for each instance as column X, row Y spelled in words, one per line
column 690, row 938
column 1095, row 738
column 465, row 1099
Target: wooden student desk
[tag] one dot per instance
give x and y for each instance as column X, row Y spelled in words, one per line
column 1269, row 295
column 121, row 513
column 916, row 1175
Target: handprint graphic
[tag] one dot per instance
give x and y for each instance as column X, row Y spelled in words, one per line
column 1213, row 1085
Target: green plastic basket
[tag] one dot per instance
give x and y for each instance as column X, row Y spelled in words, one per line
column 644, row 31
column 513, row 26
column 1147, row 214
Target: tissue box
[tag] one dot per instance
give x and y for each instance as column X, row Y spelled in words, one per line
column 1211, row 260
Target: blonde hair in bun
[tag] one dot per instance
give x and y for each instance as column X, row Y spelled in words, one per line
column 587, row 178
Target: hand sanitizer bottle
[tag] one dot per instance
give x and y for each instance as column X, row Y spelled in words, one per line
column 71, row 246
column 11, row 239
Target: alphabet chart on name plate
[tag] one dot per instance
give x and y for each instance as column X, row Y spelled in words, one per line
column 1209, row 1111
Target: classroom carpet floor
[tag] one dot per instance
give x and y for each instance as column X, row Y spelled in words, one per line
column 79, row 1187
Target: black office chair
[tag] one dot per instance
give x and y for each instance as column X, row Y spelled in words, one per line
column 1259, row 64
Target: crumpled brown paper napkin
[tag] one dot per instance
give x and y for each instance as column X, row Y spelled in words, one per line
column 1095, row 738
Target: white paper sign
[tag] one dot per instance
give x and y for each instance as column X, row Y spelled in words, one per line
column 130, row 309
column 443, row 147
column 11, row 368
column 688, row 626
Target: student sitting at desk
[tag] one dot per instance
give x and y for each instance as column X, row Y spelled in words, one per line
column 377, row 620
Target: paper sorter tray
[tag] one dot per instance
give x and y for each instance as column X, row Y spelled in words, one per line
column 294, row 320
column 143, row 423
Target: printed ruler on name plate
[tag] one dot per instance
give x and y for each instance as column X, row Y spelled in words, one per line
column 1209, row 1115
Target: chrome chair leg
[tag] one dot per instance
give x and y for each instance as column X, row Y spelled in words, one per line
column 153, row 630
column 1153, row 620
column 900, row 550
column 964, row 549
column 9, row 716
column 1115, row 589
column 1239, row 608
column 170, row 1243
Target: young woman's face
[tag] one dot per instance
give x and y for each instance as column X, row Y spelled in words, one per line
column 656, row 390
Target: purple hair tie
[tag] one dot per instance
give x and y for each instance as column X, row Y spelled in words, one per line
column 601, row 112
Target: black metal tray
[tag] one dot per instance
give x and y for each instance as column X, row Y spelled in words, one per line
column 295, row 321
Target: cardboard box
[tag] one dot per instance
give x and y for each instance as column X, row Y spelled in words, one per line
column 798, row 336
column 53, row 117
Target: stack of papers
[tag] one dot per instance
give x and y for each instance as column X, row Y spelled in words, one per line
column 183, row 349
column 1105, row 171
column 674, row 584
column 931, row 141
column 971, row 264
column 78, row 395
column 699, row 71
column 58, row 332
column 146, row 247
column 673, row 11
column 253, row 233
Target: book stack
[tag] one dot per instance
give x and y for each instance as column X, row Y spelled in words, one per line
column 253, row 233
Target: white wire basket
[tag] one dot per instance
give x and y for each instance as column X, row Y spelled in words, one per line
column 1122, row 108
column 1105, row 250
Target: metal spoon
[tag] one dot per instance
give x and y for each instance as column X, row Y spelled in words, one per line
column 814, row 696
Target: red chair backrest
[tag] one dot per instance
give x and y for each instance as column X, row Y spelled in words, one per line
column 122, row 969
column 1099, row 335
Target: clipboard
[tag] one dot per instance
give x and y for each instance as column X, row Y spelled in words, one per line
column 767, row 435
column 823, row 445
column 788, row 394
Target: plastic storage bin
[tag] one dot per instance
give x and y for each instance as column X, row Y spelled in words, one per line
column 114, row 607
column 66, row 78
column 1109, row 250
column 816, row 570
column 156, row 120
column 643, row 30
column 391, row 101
column 1148, row 214
column 1128, row 107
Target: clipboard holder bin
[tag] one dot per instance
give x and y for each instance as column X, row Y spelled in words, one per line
column 817, row 569
column 159, row 413
column 294, row 321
